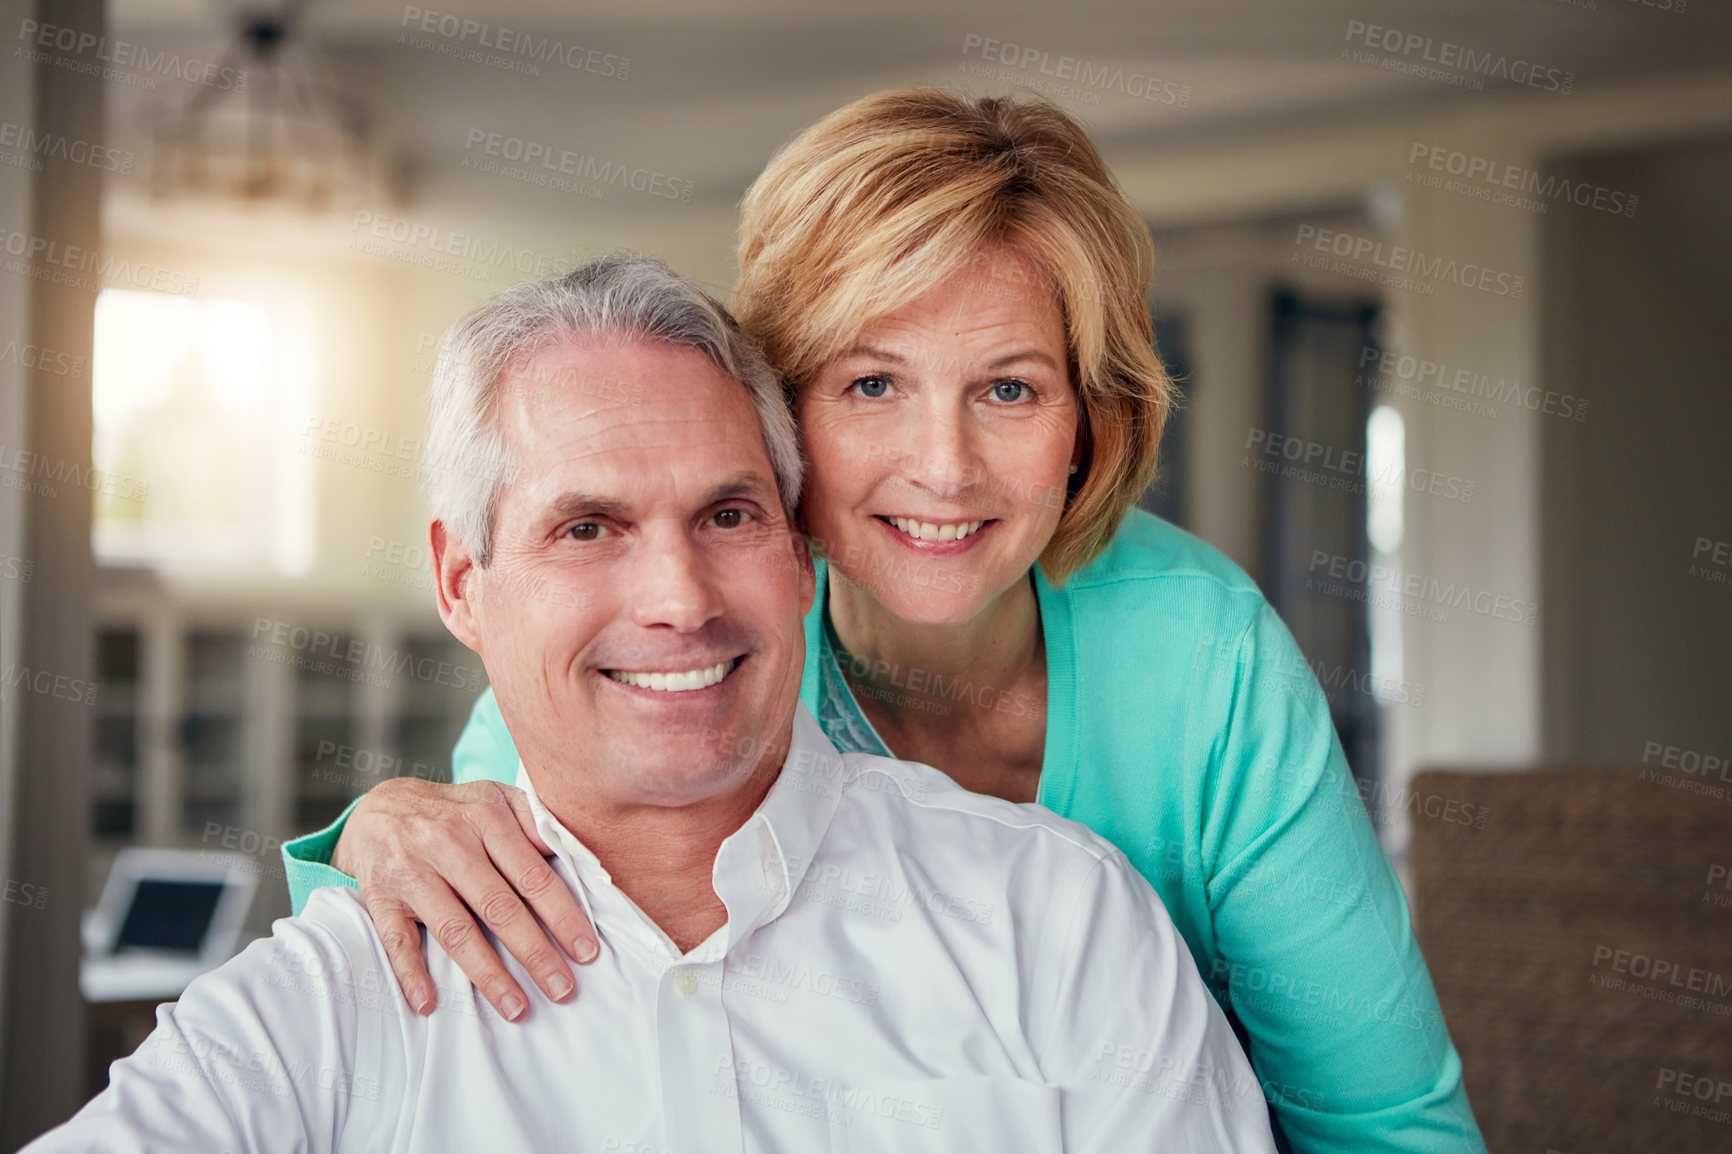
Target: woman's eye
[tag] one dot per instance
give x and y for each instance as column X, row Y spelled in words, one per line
column 871, row 386
column 730, row 518
column 1009, row 391
column 586, row 531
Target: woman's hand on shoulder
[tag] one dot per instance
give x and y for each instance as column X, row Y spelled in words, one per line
column 447, row 855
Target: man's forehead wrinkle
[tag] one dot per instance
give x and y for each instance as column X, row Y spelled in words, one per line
column 629, row 431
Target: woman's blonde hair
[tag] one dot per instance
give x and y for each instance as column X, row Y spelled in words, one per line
column 885, row 198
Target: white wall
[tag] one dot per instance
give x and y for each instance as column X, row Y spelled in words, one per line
column 1482, row 676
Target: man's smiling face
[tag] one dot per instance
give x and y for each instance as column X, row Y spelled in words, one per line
column 640, row 619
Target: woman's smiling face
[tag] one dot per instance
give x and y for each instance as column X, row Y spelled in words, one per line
column 940, row 444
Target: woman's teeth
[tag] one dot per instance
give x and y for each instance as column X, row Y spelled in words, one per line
column 676, row 682
column 927, row 531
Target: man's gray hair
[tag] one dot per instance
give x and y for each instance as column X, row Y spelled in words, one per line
column 622, row 297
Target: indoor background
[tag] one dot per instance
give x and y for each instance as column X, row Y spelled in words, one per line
column 1448, row 289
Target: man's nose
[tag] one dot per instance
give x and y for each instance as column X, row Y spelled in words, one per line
column 673, row 584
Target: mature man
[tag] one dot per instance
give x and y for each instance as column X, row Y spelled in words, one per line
column 802, row 950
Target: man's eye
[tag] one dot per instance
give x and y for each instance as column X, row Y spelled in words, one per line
column 873, row 386
column 1010, row 391
column 586, row 531
column 730, row 518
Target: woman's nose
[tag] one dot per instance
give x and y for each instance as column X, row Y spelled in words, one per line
column 945, row 461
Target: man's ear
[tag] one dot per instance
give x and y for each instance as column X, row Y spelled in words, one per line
column 456, row 581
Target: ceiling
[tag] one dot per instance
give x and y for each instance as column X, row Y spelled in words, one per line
column 713, row 88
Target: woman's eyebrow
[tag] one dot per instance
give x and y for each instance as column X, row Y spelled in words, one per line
column 873, row 352
column 877, row 354
column 1034, row 355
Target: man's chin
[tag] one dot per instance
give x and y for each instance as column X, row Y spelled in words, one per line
column 684, row 773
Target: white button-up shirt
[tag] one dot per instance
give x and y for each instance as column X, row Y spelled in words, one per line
column 906, row 966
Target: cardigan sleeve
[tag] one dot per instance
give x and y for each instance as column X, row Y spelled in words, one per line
column 1314, row 942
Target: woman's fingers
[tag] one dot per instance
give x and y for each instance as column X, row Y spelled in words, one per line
column 533, row 878
column 451, row 869
column 497, row 904
column 401, row 935
column 459, row 859
column 450, row 923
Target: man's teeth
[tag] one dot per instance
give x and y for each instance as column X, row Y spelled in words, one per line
column 675, row 682
column 927, row 531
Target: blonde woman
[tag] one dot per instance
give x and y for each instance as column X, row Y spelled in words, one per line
column 954, row 290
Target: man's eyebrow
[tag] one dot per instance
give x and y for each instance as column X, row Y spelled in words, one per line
column 744, row 484
column 572, row 504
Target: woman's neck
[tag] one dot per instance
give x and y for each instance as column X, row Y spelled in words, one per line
column 906, row 665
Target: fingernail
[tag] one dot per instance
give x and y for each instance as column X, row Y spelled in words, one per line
column 585, row 950
column 513, row 1007
column 561, row 985
column 423, row 1003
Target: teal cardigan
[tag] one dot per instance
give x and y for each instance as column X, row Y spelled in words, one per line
column 1184, row 726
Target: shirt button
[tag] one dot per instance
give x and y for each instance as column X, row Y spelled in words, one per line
column 685, row 982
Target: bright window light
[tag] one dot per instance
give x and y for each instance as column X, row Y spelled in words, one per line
column 194, row 403
column 1386, row 472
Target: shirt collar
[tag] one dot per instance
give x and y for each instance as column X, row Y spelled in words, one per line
column 759, row 865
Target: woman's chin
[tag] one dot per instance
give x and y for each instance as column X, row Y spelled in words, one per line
column 949, row 598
